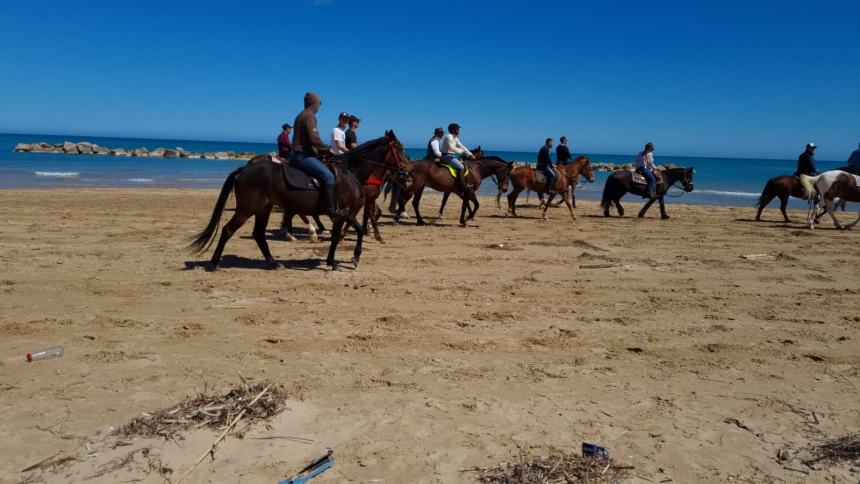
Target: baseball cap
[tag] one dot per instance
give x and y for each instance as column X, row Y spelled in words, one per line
column 353, row 117
column 343, row 115
column 811, row 145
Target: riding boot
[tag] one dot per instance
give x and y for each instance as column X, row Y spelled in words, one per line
column 461, row 181
column 330, row 202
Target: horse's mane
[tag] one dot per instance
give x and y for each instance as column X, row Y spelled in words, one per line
column 357, row 154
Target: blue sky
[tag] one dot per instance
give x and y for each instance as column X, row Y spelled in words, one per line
column 729, row 78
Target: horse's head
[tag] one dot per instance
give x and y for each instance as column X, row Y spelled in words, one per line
column 397, row 161
column 687, row 180
column 585, row 168
column 478, row 152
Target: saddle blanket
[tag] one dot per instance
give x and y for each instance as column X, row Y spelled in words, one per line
column 541, row 178
column 453, row 171
column 640, row 178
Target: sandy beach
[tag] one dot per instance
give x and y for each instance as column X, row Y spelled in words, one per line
column 694, row 349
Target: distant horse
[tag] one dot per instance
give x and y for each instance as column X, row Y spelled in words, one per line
column 525, row 177
column 261, row 185
column 621, row 181
column 572, row 183
column 429, row 173
column 830, row 185
column 781, row 187
column 476, row 182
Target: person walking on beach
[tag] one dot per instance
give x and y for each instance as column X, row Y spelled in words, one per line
column 285, row 148
column 854, row 162
column 562, row 153
column 351, row 138
column 645, row 167
column 306, row 148
column 806, row 161
column 544, row 164
column 452, row 150
column 433, row 150
column 338, row 135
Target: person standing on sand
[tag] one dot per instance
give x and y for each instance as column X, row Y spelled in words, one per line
column 433, row 150
column 306, row 148
column 338, row 135
column 806, row 161
column 645, row 167
column 544, row 164
column 452, row 150
column 562, row 153
column 351, row 138
column 285, row 148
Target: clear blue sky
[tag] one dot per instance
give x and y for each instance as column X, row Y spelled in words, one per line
column 734, row 78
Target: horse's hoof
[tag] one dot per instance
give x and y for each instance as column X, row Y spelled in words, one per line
column 355, row 261
column 314, row 238
column 379, row 239
column 271, row 266
column 420, row 222
column 664, row 217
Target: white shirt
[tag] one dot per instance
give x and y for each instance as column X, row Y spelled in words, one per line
column 646, row 160
column 451, row 145
column 337, row 134
column 434, row 147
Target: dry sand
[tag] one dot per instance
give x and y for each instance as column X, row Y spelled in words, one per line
column 439, row 353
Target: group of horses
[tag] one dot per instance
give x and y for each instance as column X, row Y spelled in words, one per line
column 266, row 181
column 825, row 192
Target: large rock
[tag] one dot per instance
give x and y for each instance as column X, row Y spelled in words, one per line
column 37, row 148
column 220, row 155
column 158, row 152
column 22, row 147
column 208, row 155
column 246, row 155
column 119, row 152
column 85, row 148
column 69, row 147
column 168, row 153
column 101, row 150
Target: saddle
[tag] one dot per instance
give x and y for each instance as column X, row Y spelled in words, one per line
column 295, row 178
column 451, row 169
column 640, row 178
column 540, row 178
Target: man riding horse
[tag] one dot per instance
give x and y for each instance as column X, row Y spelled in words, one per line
column 453, row 150
column 307, row 147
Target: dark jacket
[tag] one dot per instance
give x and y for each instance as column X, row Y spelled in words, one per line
column 351, row 139
column 284, row 145
column 306, row 139
column 544, row 158
column 806, row 164
column 854, row 159
column 562, row 155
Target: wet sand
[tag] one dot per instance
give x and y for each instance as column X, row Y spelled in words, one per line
column 694, row 349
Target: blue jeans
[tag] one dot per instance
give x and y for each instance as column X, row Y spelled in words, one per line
column 652, row 180
column 550, row 177
column 453, row 162
column 313, row 167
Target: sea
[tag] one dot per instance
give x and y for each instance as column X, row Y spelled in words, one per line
column 718, row 181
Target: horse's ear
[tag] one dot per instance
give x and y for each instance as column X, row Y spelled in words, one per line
column 390, row 134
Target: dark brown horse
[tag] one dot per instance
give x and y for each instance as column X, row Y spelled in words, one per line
column 438, row 177
column 781, row 187
column 524, row 177
column 500, row 180
column 621, row 181
column 261, row 185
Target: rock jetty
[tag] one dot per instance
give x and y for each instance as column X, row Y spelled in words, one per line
column 87, row 148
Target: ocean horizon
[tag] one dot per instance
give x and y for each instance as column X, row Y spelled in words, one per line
column 718, row 181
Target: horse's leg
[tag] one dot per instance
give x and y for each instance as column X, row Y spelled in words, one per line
column 573, row 196
column 646, row 207
column 783, row 203
column 828, row 204
column 336, row 230
column 854, row 223
column 570, row 206
column 287, row 227
column 512, row 201
column 474, row 211
column 312, row 232
column 374, row 222
column 261, row 220
column 236, row 221
column 442, row 207
column 463, row 210
column 416, row 199
column 618, row 205
column 321, row 228
column 359, row 238
column 663, row 214
column 499, row 200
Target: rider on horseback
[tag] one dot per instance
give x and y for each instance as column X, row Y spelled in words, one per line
column 806, row 161
column 544, row 164
column 306, row 148
column 645, row 167
column 452, row 149
column 433, row 150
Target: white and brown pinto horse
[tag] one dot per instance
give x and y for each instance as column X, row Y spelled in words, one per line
column 830, row 185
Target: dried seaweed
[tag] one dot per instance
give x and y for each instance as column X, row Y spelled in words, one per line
column 209, row 410
column 558, row 467
column 845, row 448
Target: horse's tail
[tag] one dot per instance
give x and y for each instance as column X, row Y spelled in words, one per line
column 808, row 183
column 608, row 193
column 768, row 188
column 200, row 242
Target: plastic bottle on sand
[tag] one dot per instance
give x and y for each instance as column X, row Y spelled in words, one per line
column 45, row 354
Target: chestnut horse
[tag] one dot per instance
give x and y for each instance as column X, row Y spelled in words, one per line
column 259, row 186
column 523, row 177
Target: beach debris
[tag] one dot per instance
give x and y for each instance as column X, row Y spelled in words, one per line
column 845, row 448
column 312, row 470
column 501, row 246
column 54, row 461
column 45, row 354
column 211, row 410
column 594, row 450
column 758, row 257
column 559, row 467
column 597, row 266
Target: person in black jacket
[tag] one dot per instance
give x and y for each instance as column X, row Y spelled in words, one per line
column 806, row 162
column 562, row 153
column 544, row 164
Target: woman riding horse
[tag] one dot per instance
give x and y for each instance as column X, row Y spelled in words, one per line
column 621, row 181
